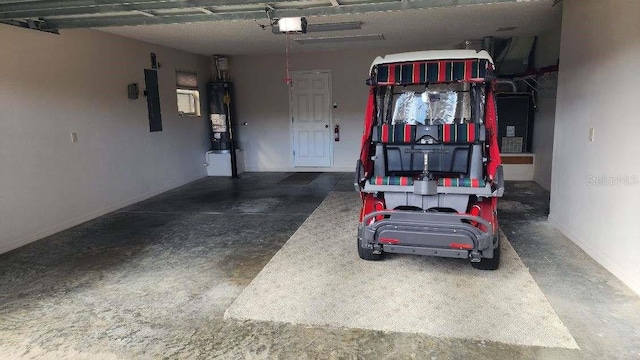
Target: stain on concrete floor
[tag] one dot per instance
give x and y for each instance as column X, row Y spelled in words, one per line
column 153, row 280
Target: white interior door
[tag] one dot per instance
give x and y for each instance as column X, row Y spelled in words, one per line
column 311, row 117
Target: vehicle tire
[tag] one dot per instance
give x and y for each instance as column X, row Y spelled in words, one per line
column 489, row 264
column 367, row 254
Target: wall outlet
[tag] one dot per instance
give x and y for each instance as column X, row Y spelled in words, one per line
column 74, row 137
column 592, row 134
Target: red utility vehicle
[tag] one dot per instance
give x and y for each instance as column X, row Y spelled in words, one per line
column 429, row 172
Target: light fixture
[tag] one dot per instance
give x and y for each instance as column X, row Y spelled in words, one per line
column 293, row 25
column 338, row 39
column 506, row 28
column 338, row 26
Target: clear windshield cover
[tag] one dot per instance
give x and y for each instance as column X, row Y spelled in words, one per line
column 436, row 104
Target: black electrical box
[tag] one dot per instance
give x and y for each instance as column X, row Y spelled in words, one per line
column 515, row 122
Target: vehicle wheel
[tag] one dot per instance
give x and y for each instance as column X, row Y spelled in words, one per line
column 367, row 254
column 489, row 264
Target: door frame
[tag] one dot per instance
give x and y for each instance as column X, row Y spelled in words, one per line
column 291, row 134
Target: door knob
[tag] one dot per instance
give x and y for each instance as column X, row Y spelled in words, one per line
column 326, row 126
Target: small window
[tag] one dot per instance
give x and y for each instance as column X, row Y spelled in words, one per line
column 187, row 93
column 188, row 102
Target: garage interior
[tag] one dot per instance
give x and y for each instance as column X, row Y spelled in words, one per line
column 125, row 231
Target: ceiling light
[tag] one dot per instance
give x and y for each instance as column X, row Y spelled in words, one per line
column 338, row 39
column 506, row 28
column 339, row 26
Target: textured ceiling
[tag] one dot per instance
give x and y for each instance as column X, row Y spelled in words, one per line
column 415, row 29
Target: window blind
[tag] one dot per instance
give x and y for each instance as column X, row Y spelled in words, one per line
column 186, row 103
column 186, row 80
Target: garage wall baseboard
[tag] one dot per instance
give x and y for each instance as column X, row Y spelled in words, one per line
column 630, row 280
column 92, row 215
column 299, row 169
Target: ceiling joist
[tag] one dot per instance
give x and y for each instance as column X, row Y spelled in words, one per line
column 44, row 9
column 69, row 14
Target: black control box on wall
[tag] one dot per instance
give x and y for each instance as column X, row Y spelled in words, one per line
column 515, row 122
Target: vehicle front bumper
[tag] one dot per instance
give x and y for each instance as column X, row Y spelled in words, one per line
column 427, row 233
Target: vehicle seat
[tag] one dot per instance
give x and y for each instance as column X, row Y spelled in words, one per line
column 391, row 180
column 455, row 153
column 461, row 182
column 444, row 133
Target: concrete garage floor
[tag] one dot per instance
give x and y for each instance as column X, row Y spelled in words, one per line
column 153, row 281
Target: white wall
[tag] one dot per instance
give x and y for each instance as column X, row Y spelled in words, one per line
column 547, row 52
column 77, row 82
column 263, row 102
column 598, row 87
